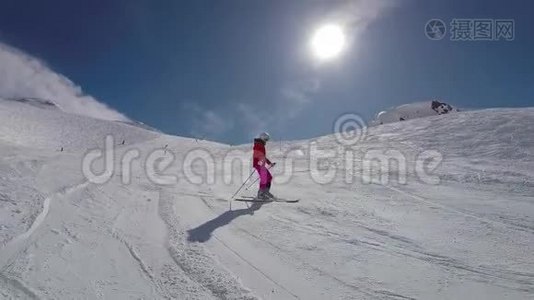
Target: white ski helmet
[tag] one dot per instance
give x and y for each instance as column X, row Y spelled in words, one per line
column 264, row 136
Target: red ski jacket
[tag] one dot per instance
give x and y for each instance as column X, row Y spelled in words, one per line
column 259, row 154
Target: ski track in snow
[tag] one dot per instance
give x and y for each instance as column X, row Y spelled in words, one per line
column 486, row 274
column 142, row 265
column 360, row 289
column 520, row 278
column 246, row 261
column 251, row 264
column 18, row 243
column 16, row 289
column 198, row 264
column 461, row 212
column 405, row 249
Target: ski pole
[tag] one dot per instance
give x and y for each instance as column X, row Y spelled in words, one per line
column 239, row 189
column 250, row 185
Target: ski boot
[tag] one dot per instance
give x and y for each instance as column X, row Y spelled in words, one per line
column 264, row 194
column 268, row 194
column 261, row 194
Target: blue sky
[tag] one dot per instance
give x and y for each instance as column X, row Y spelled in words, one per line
column 228, row 69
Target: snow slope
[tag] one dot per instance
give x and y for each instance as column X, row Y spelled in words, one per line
column 470, row 236
column 413, row 111
column 47, row 127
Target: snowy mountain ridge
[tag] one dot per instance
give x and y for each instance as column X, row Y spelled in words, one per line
column 41, row 124
column 468, row 236
column 38, row 102
column 413, row 111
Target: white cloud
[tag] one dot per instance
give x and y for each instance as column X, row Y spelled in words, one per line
column 211, row 122
column 207, row 123
column 356, row 15
column 22, row 75
column 295, row 96
column 253, row 120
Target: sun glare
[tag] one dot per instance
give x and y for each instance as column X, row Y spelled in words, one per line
column 328, row 41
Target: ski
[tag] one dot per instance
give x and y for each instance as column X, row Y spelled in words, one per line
column 253, row 199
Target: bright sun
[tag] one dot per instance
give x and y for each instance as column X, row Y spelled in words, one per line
column 328, row 41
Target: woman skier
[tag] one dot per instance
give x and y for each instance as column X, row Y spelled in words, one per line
column 260, row 162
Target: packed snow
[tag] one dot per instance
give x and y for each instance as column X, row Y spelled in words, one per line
column 459, row 228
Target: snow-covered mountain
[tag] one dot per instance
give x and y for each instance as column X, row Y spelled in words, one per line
column 41, row 124
column 413, row 111
column 367, row 233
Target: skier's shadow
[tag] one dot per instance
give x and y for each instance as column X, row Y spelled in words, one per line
column 203, row 232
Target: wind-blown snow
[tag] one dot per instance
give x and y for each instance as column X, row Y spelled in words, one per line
column 469, row 237
column 24, row 76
